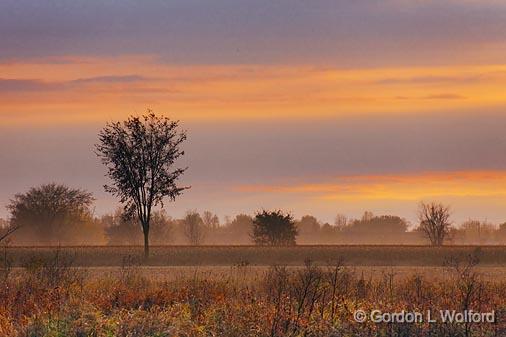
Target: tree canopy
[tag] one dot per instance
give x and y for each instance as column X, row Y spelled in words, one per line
column 434, row 222
column 274, row 228
column 140, row 154
column 50, row 213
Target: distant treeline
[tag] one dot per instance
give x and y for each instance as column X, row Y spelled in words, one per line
column 55, row 214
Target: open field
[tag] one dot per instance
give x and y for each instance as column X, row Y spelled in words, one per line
column 51, row 297
column 359, row 255
column 252, row 274
column 247, row 291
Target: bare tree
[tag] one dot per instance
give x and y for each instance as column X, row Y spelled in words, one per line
column 340, row 221
column 210, row 220
column 193, row 228
column 475, row 231
column 140, row 154
column 434, row 222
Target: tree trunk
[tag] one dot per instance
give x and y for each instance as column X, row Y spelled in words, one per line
column 146, row 243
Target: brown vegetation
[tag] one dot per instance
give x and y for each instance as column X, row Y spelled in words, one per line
column 49, row 298
column 356, row 255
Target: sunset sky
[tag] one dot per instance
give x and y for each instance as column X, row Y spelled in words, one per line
column 318, row 107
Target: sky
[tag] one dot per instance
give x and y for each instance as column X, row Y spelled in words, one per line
column 319, row 107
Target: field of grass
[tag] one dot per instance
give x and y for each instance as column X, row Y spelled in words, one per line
column 251, row 274
column 356, row 255
column 247, row 291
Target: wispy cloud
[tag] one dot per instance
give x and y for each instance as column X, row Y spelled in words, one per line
column 246, row 91
column 111, row 79
column 19, row 85
column 430, row 80
column 39, row 85
column 444, row 96
column 413, row 186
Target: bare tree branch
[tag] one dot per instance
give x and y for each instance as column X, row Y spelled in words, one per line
column 9, row 232
column 434, row 222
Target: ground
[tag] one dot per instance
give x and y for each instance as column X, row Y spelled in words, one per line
column 247, row 291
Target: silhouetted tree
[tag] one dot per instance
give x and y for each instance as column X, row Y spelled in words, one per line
column 274, row 228
column 193, row 228
column 140, row 154
column 434, row 222
column 50, row 213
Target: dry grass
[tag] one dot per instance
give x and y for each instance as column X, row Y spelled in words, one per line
column 252, row 274
column 358, row 255
column 50, row 296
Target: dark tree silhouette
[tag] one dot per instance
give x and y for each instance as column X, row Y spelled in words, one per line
column 140, row 155
column 50, row 212
column 274, row 228
column 434, row 222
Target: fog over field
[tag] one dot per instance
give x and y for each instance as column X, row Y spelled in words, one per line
column 281, row 154
column 252, row 168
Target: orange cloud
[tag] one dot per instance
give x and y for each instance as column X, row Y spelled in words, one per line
column 396, row 187
column 98, row 89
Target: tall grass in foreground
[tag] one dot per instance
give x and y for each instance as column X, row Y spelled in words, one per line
column 51, row 298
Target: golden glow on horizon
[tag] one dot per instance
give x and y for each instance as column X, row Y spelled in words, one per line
column 396, row 187
column 96, row 89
